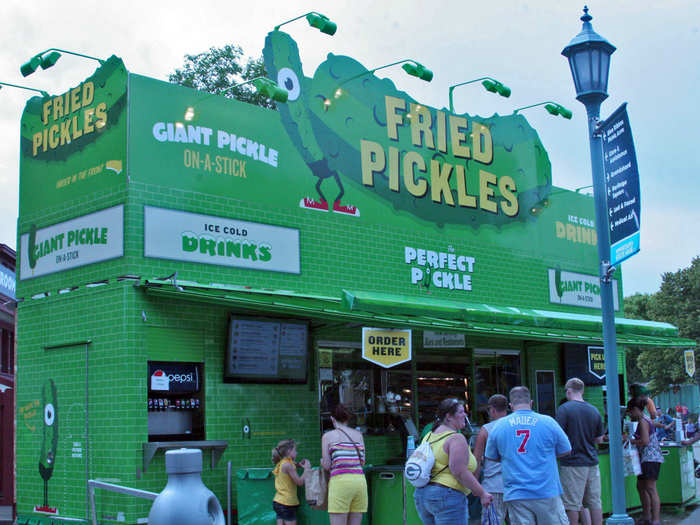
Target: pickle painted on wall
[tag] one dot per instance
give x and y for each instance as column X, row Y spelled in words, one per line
column 351, row 127
column 49, row 442
column 74, row 144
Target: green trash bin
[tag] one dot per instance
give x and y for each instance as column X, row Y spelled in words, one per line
column 386, row 496
column 255, row 488
column 412, row 517
column 676, row 484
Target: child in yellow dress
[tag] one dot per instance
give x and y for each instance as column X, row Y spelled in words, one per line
column 286, row 501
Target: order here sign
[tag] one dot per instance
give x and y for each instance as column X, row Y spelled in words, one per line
column 385, row 347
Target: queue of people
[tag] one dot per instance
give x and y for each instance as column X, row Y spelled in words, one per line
column 534, row 469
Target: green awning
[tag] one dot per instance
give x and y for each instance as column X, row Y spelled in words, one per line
column 424, row 313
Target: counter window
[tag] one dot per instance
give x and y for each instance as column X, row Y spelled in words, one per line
column 379, row 398
column 441, row 374
column 497, row 371
column 546, row 392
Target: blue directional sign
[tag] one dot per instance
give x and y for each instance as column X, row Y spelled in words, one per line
column 621, row 185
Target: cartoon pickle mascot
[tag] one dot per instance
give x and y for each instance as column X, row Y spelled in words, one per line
column 283, row 63
column 49, row 440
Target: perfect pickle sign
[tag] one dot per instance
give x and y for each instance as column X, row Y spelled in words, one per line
column 386, row 348
column 85, row 240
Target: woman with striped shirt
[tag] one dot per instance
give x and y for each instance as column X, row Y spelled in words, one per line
column 344, row 455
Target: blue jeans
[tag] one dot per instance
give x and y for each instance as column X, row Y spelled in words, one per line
column 438, row 505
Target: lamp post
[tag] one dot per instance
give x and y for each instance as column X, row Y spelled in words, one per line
column 589, row 60
column 490, row 84
column 47, row 60
column 43, row 93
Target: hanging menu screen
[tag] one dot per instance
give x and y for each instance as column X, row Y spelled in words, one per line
column 266, row 350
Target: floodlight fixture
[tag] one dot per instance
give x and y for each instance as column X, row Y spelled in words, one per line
column 490, row 84
column 47, row 59
column 268, row 88
column 43, row 93
column 317, row 20
column 263, row 85
column 552, row 108
column 410, row 66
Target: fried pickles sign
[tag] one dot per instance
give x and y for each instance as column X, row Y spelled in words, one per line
column 74, row 143
column 352, row 127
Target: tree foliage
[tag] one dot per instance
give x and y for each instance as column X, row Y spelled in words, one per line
column 677, row 302
column 218, row 70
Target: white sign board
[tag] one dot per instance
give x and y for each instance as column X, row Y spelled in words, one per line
column 183, row 236
column 92, row 238
column 577, row 289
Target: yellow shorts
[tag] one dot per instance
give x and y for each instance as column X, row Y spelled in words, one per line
column 347, row 493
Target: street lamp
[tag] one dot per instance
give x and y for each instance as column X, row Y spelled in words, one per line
column 552, row 108
column 317, row 20
column 47, row 60
column 490, row 84
column 43, row 93
column 589, row 60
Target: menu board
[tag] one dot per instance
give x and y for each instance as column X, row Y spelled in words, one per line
column 266, row 350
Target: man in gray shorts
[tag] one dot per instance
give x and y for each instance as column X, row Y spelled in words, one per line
column 579, row 473
column 492, row 480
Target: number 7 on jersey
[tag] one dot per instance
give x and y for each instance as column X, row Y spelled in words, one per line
column 525, row 433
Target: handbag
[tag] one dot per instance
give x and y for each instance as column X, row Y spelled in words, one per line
column 316, row 489
column 630, row 460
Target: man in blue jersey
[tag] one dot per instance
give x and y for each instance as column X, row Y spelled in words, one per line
column 527, row 444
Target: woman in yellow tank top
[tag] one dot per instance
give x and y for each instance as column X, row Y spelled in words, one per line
column 286, row 502
column 443, row 501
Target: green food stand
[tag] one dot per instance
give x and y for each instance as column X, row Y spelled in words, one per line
column 192, row 268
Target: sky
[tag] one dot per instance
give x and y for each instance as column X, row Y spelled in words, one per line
column 654, row 69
